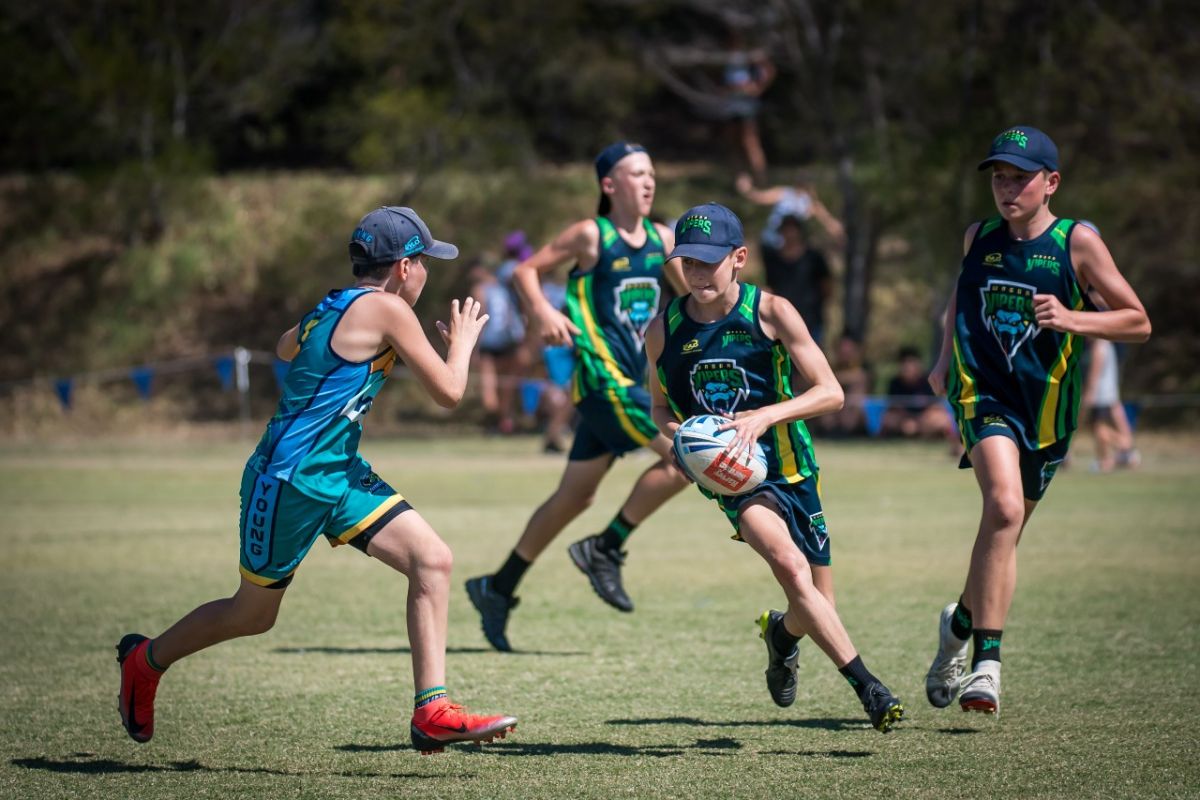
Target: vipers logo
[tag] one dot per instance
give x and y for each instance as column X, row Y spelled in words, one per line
column 719, row 385
column 1008, row 313
column 636, row 303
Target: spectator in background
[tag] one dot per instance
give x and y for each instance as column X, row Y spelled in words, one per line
column 747, row 75
column 797, row 200
column 503, row 358
column 799, row 274
column 854, row 376
column 913, row 409
column 1102, row 401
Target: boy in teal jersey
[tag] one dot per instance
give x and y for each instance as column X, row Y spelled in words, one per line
column 728, row 348
column 613, row 291
column 305, row 479
column 1009, row 366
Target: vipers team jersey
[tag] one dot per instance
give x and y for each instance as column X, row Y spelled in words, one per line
column 313, row 438
column 730, row 365
column 1003, row 363
column 612, row 304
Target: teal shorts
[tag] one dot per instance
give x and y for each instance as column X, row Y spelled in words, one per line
column 279, row 523
column 798, row 504
column 1038, row 467
column 613, row 420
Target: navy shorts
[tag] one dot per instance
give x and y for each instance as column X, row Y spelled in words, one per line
column 798, row 504
column 1037, row 466
column 613, row 421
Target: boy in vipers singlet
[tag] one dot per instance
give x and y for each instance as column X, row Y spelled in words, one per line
column 612, row 294
column 306, row 480
column 728, row 348
column 1010, row 367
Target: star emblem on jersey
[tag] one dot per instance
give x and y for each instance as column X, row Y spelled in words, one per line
column 1008, row 313
column 636, row 302
column 719, row 385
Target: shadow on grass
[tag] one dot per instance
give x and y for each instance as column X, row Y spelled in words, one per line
column 958, row 731
column 91, row 764
column 819, row 754
column 358, row 651
column 822, row 724
column 710, row 747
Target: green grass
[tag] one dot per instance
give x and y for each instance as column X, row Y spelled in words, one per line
column 1100, row 679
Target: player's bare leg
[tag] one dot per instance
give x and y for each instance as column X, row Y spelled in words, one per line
column 810, row 612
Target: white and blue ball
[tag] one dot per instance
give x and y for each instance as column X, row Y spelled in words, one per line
column 700, row 450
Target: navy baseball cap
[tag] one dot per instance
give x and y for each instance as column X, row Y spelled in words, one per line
column 1023, row 147
column 707, row 233
column 610, row 155
column 390, row 233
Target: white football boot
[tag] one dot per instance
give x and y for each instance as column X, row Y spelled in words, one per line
column 981, row 689
column 942, row 680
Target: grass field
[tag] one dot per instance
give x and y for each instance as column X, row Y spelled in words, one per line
column 1100, row 683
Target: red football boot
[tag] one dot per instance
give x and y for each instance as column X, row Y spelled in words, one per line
column 441, row 722
column 139, row 683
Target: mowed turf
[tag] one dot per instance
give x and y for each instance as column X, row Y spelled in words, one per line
column 1100, row 679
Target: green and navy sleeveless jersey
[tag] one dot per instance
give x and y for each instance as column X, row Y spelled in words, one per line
column 1003, row 363
column 611, row 304
column 728, row 366
column 313, row 438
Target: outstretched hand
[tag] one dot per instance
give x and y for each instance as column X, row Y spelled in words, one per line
column 466, row 323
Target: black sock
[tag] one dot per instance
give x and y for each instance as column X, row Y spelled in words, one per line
column 783, row 640
column 987, row 646
column 960, row 623
column 858, row 676
column 613, row 537
column 505, row 581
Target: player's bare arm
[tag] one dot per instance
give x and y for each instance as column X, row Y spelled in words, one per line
column 1125, row 318
column 393, row 321
column 673, row 269
column 579, row 242
column 780, row 320
column 937, row 375
column 660, row 411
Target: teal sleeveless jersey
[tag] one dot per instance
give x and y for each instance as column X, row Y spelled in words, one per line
column 730, row 365
column 1003, row 363
column 312, row 440
column 611, row 304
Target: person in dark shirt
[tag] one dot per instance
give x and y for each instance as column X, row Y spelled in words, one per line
column 913, row 409
column 800, row 274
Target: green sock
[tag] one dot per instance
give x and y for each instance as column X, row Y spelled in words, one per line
column 614, row 536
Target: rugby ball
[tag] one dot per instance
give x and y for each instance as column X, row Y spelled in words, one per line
column 700, row 450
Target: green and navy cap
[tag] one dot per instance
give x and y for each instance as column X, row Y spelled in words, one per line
column 707, row 233
column 1024, row 147
column 390, row 233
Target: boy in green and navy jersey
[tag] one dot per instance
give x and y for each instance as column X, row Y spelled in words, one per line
column 1010, row 367
column 306, row 480
column 729, row 348
column 613, row 291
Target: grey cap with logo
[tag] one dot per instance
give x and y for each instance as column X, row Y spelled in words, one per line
column 390, row 233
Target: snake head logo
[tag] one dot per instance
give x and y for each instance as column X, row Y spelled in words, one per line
column 635, row 303
column 719, row 385
column 1008, row 313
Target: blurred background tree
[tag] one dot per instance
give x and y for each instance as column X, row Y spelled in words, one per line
column 182, row 173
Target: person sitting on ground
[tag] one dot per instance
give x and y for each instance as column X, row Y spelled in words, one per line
column 913, row 409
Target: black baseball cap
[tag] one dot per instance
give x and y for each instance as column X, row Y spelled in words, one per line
column 390, row 233
column 707, row 233
column 610, row 155
column 1024, row 147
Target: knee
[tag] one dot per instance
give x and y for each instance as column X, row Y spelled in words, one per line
column 1004, row 510
column 573, row 501
column 435, row 564
column 252, row 622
